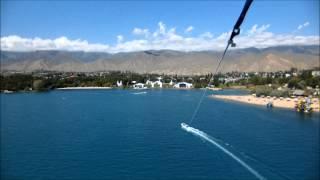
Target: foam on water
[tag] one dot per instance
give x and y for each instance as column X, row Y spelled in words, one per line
column 206, row 137
column 140, row 93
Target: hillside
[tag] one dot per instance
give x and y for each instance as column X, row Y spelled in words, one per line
column 164, row 61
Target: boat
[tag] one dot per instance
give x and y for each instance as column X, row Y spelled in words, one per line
column 214, row 89
column 184, row 125
column 7, row 92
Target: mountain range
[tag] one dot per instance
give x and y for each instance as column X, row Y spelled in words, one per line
column 164, row 61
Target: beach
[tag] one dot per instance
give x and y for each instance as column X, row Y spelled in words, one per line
column 277, row 102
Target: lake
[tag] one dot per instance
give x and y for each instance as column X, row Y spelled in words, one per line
column 126, row 134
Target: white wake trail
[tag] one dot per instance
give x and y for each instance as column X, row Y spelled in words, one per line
column 206, row 137
column 137, row 93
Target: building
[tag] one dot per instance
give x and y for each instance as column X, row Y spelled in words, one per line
column 171, row 83
column 315, row 73
column 157, row 83
column 153, row 84
column 139, row 86
column 183, row 85
column 298, row 92
column 119, row 83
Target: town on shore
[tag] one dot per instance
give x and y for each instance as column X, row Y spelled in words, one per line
column 281, row 89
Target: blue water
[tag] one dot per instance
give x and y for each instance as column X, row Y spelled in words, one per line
column 116, row 134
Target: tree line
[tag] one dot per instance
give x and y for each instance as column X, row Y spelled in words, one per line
column 47, row 81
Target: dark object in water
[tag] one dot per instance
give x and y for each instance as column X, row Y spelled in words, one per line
column 269, row 105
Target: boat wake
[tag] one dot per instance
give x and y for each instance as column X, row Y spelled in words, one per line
column 206, row 137
column 140, row 93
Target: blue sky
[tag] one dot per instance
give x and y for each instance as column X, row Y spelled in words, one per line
column 102, row 21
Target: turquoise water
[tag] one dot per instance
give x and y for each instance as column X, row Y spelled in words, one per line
column 119, row 134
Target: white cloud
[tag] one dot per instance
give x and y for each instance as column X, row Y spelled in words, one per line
column 17, row 43
column 301, row 26
column 206, row 35
column 161, row 31
column 163, row 38
column 189, row 29
column 162, row 28
column 256, row 29
column 120, row 38
column 138, row 31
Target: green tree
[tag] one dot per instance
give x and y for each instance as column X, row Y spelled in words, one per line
column 38, row 85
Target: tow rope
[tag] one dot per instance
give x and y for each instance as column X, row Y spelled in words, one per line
column 235, row 32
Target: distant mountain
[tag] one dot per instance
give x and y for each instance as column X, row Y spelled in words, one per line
column 164, row 61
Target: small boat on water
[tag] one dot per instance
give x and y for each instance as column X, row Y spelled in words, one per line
column 184, row 125
column 214, row 89
column 7, row 92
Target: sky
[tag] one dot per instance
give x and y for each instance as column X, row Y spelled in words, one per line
column 124, row 26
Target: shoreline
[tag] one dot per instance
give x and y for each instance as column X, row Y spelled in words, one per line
column 84, row 88
column 288, row 103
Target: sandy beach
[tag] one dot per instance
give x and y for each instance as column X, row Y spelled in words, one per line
column 277, row 102
column 74, row 88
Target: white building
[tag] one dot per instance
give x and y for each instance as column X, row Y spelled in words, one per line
column 155, row 83
column 158, row 83
column 183, row 85
column 315, row 73
column 119, row 83
column 139, row 86
column 171, row 83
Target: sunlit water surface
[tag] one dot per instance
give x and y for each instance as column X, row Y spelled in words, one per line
column 122, row 134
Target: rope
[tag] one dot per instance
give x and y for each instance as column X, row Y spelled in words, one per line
column 195, row 112
column 235, row 32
